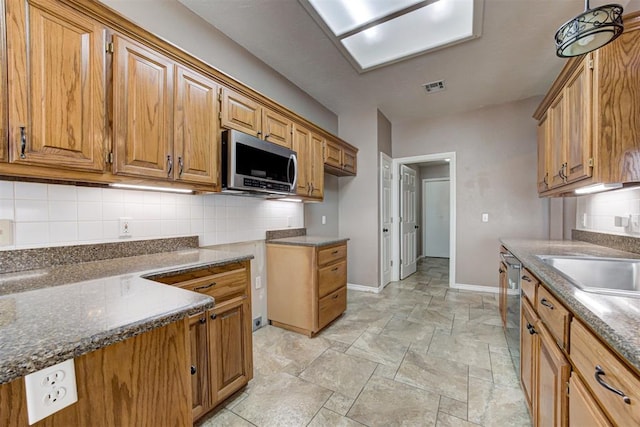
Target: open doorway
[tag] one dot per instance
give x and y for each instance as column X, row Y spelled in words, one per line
column 434, row 219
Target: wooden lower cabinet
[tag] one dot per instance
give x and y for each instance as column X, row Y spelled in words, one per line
column 141, row 381
column 529, row 345
column 220, row 339
column 552, row 375
column 583, row 409
column 307, row 286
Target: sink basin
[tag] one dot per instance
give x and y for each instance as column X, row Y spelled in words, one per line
column 613, row 276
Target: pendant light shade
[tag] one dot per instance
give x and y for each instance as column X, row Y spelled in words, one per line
column 590, row 30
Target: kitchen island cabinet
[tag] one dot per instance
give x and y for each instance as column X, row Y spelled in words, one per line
column 306, row 282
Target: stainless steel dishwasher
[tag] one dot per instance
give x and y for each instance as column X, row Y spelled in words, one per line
column 512, row 330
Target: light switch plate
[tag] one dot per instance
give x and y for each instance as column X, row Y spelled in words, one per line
column 6, row 232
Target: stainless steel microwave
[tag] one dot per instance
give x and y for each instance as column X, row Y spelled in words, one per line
column 251, row 165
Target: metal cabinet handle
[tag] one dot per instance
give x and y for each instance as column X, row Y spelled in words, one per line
column 384, row 230
column 334, row 269
column 180, row 166
column 526, row 279
column 169, row 165
column 545, row 179
column 267, row 136
column 500, row 270
column 214, row 316
column 202, row 320
column 531, row 329
column 600, row 372
column 334, row 252
column 546, row 303
column 199, row 288
column 259, row 133
column 23, row 142
column 336, row 296
column 193, row 370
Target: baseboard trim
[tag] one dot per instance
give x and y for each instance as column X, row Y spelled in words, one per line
column 475, row 288
column 363, row 288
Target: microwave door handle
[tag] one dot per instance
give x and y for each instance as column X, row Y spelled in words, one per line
column 295, row 171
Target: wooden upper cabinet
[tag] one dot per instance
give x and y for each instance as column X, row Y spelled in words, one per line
column 349, row 160
column 56, row 76
column 302, row 145
column 340, row 158
column 241, row 113
column 143, row 111
column 543, row 155
column 4, row 124
column 555, row 115
column 332, row 154
column 276, row 128
column 317, row 166
column 578, row 122
column 196, row 140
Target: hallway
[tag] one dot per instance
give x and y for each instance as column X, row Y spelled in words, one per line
column 417, row 354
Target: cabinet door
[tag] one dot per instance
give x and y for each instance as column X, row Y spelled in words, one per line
column 502, row 298
column 230, row 351
column 302, row 146
column 241, row 113
column 551, row 386
column 4, row 130
column 316, row 169
column 332, row 154
column 196, row 140
column 276, row 128
column 543, row 155
column 143, row 111
column 555, row 115
column 56, row 74
column 349, row 160
column 198, row 342
column 528, row 352
column 578, row 122
column 583, row 409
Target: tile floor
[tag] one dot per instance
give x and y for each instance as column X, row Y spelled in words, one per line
column 417, row 354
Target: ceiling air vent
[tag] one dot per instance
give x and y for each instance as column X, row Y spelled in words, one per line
column 433, row 87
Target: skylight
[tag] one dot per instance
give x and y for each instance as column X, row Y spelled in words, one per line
column 374, row 33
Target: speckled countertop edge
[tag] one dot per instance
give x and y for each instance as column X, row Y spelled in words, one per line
column 316, row 241
column 19, row 358
column 616, row 319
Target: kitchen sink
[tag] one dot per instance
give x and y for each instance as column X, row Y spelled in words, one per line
column 613, row 276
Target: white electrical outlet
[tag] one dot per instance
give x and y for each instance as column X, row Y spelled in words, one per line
column 324, row 219
column 485, row 217
column 50, row 389
column 258, row 282
column 124, row 227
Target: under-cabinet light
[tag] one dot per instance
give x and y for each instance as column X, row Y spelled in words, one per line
column 596, row 188
column 290, row 200
column 150, row 188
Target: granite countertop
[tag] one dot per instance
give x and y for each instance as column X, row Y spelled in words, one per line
column 54, row 314
column 309, row 241
column 616, row 319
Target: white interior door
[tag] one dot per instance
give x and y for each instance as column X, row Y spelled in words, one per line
column 408, row 226
column 435, row 202
column 385, row 218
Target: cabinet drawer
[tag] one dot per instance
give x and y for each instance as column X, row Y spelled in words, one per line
column 331, row 278
column 554, row 315
column 529, row 285
column 332, row 306
column 332, row 254
column 587, row 354
column 221, row 286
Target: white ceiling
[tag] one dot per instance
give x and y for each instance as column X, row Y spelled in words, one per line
column 513, row 59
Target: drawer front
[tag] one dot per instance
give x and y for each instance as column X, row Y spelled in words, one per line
column 554, row 315
column 331, row 278
column 529, row 285
column 332, row 306
column 332, row 254
column 587, row 353
column 222, row 287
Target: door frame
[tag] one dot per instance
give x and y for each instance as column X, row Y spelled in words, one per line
column 424, row 205
column 395, row 200
column 380, row 217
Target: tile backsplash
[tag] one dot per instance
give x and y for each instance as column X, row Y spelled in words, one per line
column 597, row 212
column 55, row 215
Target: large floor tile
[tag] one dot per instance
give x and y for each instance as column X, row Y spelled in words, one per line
column 388, row 403
column 224, row 418
column 453, row 348
column 325, row 418
column 282, row 400
column 438, row 319
column 344, row 331
column 442, row 376
column 495, row 405
column 339, row 372
column 379, row 348
column 447, row 420
column 407, row 330
column 472, row 331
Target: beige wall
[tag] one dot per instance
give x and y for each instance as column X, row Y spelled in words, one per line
column 358, row 197
column 179, row 25
column 313, row 212
column 496, row 173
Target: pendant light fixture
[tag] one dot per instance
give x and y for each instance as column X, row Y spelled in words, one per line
column 590, row 30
